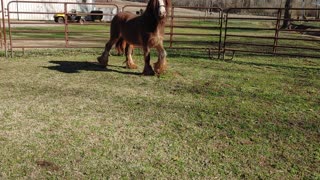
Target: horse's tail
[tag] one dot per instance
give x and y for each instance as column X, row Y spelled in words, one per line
column 115, row 27
column 120, row 46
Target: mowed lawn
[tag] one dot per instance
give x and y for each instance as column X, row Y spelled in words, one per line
column 63, row 117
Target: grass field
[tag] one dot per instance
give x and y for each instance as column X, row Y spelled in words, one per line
column 63, row 117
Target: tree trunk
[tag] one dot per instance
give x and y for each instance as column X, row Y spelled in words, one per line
column 287, row 15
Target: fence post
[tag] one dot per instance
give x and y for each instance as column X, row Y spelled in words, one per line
column 1, row 44
column 317, row 11
column 66, row 29
column 4, row 29
column 171, row 26
column 225, row 33
column 277, row 30
column 9, row 27
column 220, row 37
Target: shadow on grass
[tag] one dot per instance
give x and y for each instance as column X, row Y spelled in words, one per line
column 77, row 66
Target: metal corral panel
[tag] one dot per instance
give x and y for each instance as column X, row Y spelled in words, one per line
column 18, row 9
column 109, row 10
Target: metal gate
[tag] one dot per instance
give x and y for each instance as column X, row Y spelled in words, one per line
column 194, row 29
column 46, row 33
column 301, row 38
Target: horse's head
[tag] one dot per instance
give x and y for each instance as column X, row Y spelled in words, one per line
column 160, row 8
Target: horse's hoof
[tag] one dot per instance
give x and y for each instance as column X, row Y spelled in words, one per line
column 132, row 66
column 148, row 73
column 99, row 59
column 160, row 69
column 102, row 62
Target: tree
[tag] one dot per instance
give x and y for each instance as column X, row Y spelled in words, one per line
column 287, row 14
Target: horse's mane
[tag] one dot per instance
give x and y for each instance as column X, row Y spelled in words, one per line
column 152, row 9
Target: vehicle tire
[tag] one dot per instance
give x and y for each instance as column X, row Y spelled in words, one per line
column 60, row 20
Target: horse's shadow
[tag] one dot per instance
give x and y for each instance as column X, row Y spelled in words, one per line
column 78, row 66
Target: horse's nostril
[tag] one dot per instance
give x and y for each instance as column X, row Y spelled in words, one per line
column 162, row 14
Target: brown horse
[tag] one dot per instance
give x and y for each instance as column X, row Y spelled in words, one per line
column 120, row 46
column 146, row 31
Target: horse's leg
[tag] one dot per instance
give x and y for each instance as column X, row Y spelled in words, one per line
column 148, row 71
column 104, row 58
column 123, row 46
column 119, row 47
column 161, row 65
column 129, row 61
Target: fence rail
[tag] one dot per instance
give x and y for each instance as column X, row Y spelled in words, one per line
column 202, row 29
column 273, row 39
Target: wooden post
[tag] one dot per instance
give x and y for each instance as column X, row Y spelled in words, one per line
column 276, row 35
column 66, row 29
column 317, row 6
column 171, row 26
column 4, row 28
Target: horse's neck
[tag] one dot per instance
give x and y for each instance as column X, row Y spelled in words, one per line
column 153, row 22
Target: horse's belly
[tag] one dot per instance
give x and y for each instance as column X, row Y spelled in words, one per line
column 132, row 38
column 152, row 42
column 135, row 42
column 135, row 37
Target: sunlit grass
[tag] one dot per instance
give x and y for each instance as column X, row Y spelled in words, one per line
column 64, row 117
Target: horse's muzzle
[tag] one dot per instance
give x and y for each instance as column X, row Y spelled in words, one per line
column 162, row 12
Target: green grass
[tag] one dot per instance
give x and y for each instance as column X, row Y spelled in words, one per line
column 63, row 117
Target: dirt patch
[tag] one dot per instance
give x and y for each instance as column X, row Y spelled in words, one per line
column 48, row 165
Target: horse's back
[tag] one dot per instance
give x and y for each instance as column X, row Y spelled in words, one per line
column 122, row 17
column 119, row 21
